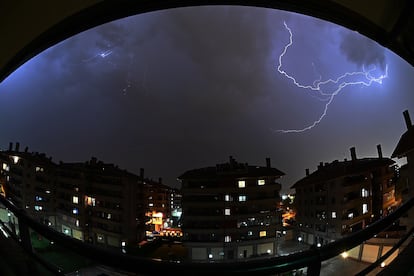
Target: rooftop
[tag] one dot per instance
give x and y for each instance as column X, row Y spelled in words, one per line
column 342, row 168
column 234, row 169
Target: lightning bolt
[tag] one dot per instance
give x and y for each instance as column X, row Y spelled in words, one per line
column 365, row 78
column 102, row 54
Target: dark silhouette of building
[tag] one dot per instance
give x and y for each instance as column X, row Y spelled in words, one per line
column 99, row 203
column 91, row 201
column 230, row 211
column 405, row 149
column 342, row 197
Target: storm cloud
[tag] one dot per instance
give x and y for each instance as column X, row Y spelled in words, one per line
column 362, row 51
column 183, row 88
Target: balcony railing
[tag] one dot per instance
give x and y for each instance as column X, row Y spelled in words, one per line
column 311, row 258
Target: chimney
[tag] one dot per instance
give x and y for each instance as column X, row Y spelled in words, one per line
column 379, row 151
column 141, row 173
column 160, row 180
column 353, row 154
column 320, row 166
column 307, row 172
column 268, row 162
column 10, row 146
column 26, row 149
column 407, row 119
column 17, row 146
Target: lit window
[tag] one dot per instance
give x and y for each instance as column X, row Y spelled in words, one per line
column 39, row 169
column 260, row 182
column 38, row 208
column 6, row 167
column 90, row 201
column 333, row 214
column 262, row 234
column 364, row 192
column 77, row 223
column 227, row 198
column 364, row 208
column 123, row 244
column 227, row 239
column 227, row 212
column 75, row 199
column 15, row 159
column 47, row 191
column 38, row 198
column 242, row 184
column 242, row 198
column 249, row 233
column 75, row 211
column 151, row 204
column 100, row 238
column 109, row 216
column 350, row 215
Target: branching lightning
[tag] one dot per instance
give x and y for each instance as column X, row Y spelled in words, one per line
column 363, row 77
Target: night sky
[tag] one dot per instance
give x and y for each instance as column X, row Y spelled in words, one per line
column 180, row 89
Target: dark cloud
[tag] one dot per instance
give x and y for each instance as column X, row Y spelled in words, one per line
column 231, row 47
column 362, row 51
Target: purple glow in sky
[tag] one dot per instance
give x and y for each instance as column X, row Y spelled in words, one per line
column 184, row 88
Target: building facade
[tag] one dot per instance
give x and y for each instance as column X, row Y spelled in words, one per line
column 99, row 203
column 405, row 149
column 29, row 181
column 91, row 201
column 343, row 197
column 161, row 203
column 230, row 211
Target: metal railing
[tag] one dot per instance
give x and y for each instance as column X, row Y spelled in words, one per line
column 311, row 259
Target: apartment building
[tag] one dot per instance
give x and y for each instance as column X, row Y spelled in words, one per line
column 29, row 180
column 230, row 211
column 91, row 201
column 99, row 203
column 342, row 197
column 405, row 149
column 162, row 203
